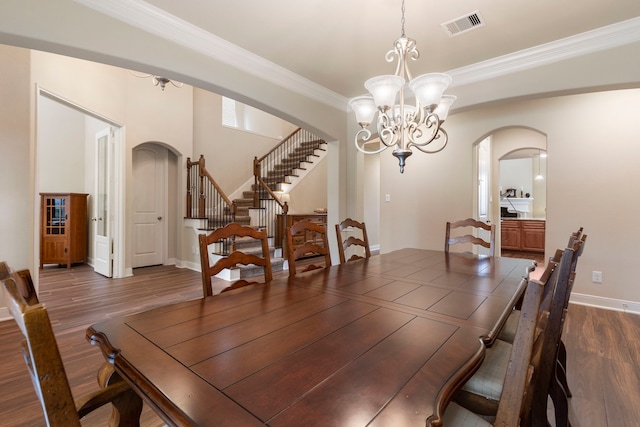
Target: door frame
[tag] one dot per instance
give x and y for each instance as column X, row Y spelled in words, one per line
column 118, row 189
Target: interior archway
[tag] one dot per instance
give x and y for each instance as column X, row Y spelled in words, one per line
column 504, row 143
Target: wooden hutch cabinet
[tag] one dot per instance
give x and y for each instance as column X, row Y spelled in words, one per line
column 284, row 221
column 63, row 228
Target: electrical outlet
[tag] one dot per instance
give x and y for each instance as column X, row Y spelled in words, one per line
column 596, row 276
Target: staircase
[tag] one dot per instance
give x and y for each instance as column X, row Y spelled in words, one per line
column 283, row 166
column 292, row 164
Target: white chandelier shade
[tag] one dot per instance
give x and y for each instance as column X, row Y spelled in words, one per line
column 428, row 88
column 442, row 110
column 365, row 109
column 384, row 90
column 399, row 125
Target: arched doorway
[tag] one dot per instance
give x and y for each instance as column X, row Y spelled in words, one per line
column 503, row 144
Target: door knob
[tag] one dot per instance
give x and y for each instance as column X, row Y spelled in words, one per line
column 159, row 218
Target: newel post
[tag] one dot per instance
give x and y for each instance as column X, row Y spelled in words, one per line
column 256, row 175
column 201, row 197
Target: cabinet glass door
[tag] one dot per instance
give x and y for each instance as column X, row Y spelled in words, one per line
column 55, row 215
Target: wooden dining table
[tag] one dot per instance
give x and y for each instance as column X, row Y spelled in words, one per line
column 382, row 341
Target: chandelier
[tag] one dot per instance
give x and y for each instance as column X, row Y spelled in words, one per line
column 402, row 126
column 159, row 80
column 162, row 82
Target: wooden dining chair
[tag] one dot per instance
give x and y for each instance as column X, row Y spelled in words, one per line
column 509, row 329
column 554, row 351
column 234, row 236
column 450, row 239
column 311, row 241
column 47, row 372
column 25, row 284
column 345, row 244
column 482, row 392
column 577, row 244
column 514, row 404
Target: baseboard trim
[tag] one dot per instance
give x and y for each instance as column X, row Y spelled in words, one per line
column 195, row 266
column 606, row 303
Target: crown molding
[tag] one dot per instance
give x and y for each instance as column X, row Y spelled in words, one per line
column 151, row 19
column 600, row 39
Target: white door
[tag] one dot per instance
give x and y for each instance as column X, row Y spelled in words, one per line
column 102, row 262
column 149, row 224
column 484, row 181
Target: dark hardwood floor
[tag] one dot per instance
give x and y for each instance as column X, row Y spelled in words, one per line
column 603, row 346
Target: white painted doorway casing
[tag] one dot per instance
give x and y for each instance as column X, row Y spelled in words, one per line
column 483, row 202
column 150, row 163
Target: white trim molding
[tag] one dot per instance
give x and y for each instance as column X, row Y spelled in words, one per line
column 606, row 303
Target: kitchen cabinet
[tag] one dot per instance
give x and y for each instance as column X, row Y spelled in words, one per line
column 522, row 235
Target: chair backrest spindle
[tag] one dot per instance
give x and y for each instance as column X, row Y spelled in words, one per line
column 345, row 244
column 314, row 242
column 468, row 238
column 235, row 257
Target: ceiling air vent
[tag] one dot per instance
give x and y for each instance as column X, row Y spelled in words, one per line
column 464, row 23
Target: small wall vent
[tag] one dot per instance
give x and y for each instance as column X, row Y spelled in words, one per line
column 463, row 24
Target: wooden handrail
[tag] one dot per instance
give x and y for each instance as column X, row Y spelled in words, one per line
column 226, row 199
column 283, row 205
column 278, row 145
column 259, row 182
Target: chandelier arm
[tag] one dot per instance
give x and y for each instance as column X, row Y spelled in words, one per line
column 416, row 132
column 441, row 134
column 387, row 130
column 363, row 135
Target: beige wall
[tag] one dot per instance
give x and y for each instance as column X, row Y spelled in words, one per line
column 229, row 152
column 61, row 148
column 311, row 192
column 591, row 170
column 16, row 177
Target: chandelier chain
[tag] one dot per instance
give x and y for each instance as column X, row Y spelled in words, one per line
column 402, row 20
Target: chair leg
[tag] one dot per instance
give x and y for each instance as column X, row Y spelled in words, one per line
column 560, row 404
column 125, row 409
column 561, row 368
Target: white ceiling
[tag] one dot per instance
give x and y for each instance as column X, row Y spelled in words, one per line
column 338, row 44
